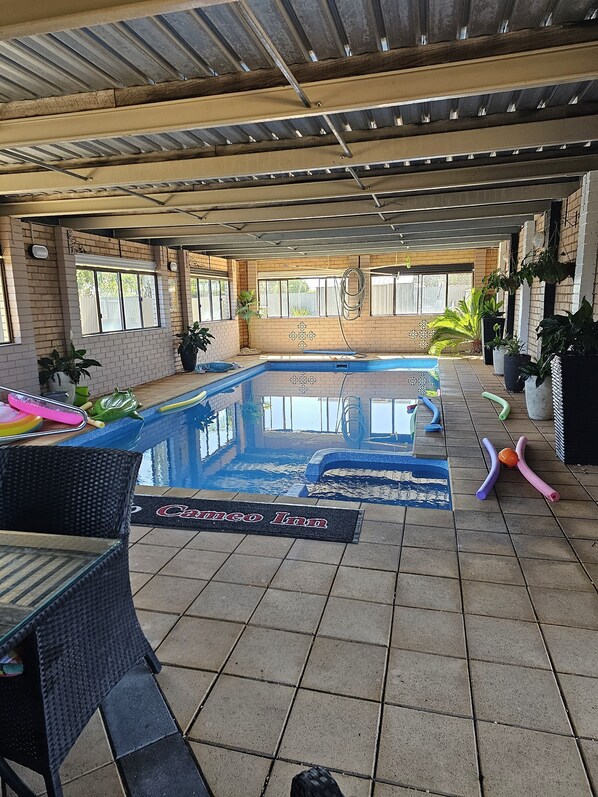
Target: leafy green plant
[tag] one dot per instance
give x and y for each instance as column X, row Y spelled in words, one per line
column 514, row 346
column 245, row 306
column 573, row 333
column 545, row 266
column 492, row 307
column 460, row 325
column 540, row 369
column 299, row 311
column 195, row 338
column 498, row 341
column 73, row 365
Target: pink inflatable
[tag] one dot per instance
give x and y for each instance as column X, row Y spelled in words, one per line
column 43, row 409
column 525, row 470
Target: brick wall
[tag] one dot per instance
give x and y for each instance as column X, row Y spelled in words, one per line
column 569, row 231
column 368, row 333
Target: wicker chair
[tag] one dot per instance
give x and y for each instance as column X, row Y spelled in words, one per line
column 86, row 640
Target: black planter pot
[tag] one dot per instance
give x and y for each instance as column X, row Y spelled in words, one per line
column 514, row 381
column 188, row 359
column 574, row 392
column 488, row 324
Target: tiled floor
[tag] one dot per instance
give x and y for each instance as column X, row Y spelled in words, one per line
column 451, row 653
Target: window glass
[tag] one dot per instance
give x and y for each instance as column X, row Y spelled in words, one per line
column 149, row 300
column 110, row 308
column 382, row 293
column 416, row 294
column 88, row 302
column 406, row 302
column 303, row 297
column 131, row 303
column 111, row 301
column 459, row 286
column 205, row 305
column 216, row 306
column 225, row 299
column 194, row 300
column 433, row 293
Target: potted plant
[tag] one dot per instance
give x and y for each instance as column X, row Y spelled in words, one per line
column 245, row 306
column 538, row 388
column 458, row 326
column 195, row 338
column 572, row 341
column 491, row 318
column 546, row 267
column 514, row 359
column 498, row 347
column 62, row 373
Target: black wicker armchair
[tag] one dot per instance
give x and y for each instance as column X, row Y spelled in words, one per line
column 78, row 648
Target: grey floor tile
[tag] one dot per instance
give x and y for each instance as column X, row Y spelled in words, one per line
column 573, row 650
column 91, row 750
column 538, row 526
column 359, row 621
column 364, row 584
column 590, row 754
column 155, row 625
column 175, row 538
column 169, row 593
column 149, row 558
column 518, row 696
column 524, row 506
column 345, row 668
column 428, row 631
column 428, row 592
column 579, row 528
column 289, row 611
column 333, row 731
column 224, row 601
column 198, row 642
column 429, row 537
column 429, row 562
column 517, row 761
column 587, row 550
column 497, row 600
column 563, row 607
column 229, row 773
column 254, row 545
column 505, row 641
column 486, row 542
column 581, row 695
column 216, row 541
column 385, row 533
column 555, row 575
column 184, row 690
column 486, row 567
column 576, row 509
column 426, row 681
column 479, row 521
column 255, row 570
column 314, row 551
column 245, row 714
column 429, row 751
column 299, row 576
column 384, row 512
column 283, row 773
column 138, row 580
column 372, row 555
column 267, row 654
column 543, row 547
column 98, row 783
column 194, row 564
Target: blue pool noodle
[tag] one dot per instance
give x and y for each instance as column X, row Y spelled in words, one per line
column 435, row 426
column 491, row 478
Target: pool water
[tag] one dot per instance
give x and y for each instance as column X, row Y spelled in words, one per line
column 257, row 433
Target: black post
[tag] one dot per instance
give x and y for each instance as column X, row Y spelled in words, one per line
column 513, row 258
column 554, row 242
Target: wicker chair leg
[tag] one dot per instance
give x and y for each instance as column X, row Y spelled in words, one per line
column 10, row 778
column 153, row 662
column 53, row 786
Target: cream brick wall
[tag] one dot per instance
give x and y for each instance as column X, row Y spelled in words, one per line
column 569, row 241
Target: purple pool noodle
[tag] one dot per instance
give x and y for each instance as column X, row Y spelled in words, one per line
column 494, row 471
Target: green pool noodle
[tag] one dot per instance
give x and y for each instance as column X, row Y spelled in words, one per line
column 506, row 407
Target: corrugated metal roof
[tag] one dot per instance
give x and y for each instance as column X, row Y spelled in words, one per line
column 215, row 40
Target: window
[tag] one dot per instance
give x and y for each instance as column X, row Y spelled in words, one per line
column 302, row 296
column 5, row 334
column 113, row 301
column 300, row 414
column 418, row 293
column 219, row 434
column 210, row 299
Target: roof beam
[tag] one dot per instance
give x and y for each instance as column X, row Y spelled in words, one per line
column 239, row 253
column 556, row 65
column 32, row 18
column 500, row 137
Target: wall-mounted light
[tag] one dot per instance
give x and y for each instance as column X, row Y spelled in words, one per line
column 173, row 265
column 39, row 252
column 538, row 240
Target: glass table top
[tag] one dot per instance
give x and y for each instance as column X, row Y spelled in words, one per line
column 35, row 568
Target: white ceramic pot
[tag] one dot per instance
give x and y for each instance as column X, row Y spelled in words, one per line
column 498, row 360
column 62, row 384
column 538, row 399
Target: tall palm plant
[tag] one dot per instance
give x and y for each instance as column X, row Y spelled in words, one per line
column 461, row 325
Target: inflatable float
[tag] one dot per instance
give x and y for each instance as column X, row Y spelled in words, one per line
column 13, row 422
column 513, row 459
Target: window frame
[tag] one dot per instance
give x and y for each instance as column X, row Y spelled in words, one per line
column 321, row 290
column 197, row 278
column 5, row 301
column 419, row 273
column 97, row 269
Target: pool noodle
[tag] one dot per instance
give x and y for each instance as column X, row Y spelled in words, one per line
column 527, row 473
column 491, row 478
column 179, row 405
column 435, row 426
column 506, row 407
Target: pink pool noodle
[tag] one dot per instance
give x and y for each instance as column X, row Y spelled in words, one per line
column 525, row 470
column 494, row 471
column 32, row 406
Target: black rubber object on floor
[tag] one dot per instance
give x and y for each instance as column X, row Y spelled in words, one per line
column 315, row 782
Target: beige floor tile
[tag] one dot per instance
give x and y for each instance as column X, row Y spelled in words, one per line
column 428, row 631
column 573, row 650
column 223, row 601
column 155, row 625
column 174, row 538
column 497, row 600
column 505, row 641
column 587, row 550
column 99, row 783
column 386, row 790
column 472, row 503
column 479, row 521
column 428, row 751
column 429, row 562
column 266, row 654
column 543, row 547
column 358, row 621
column 90, row 752
column 524, row 506
column 537, row 526
column 485, row 542
column 384, row 512
column 283, row 773
column 245, row 714
column 184, row 690
column 363, row 584
column 517, row 761
column 313, row 551
column 590, row 752
column 138, row 533
column 331, row 731
column 149, row 558
column 429, row 537
column 216, row 541
column 428, row 592
column 579, row 527
column 254, row 545
column 422, row 680
column 485, row 567
column 380, row 532
column 518, row 696
column 439, row 518
column 581, row 696
column 138, row 580
column 371, row 555
column 289, row 611
column 169, row 593
column 345, row 668
column 576, row 509
column 256, row 570
column 229, row 773
column 314, row 577
column 194, row 564
column 556, row 575
column 200, row 643
column 562, row 607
